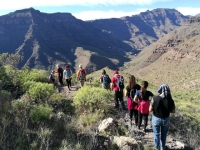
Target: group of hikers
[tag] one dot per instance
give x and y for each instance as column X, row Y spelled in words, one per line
column 139, row 104
column 140, row 101
column 67, row 75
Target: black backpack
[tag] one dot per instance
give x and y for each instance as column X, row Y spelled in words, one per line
column 120, row 83
column 132, row 94
column 106, row 79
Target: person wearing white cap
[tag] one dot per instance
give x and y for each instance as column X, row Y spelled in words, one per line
column 81, row 75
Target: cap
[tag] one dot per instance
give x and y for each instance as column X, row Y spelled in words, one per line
column 57, row 65
column 116, row 72
column 67, row 66
column 80, row 66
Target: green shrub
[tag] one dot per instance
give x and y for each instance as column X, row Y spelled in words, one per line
column 67, row 146
column 89, row 119
column 96, row 82
column 26, row 86
column 37, row 75
column 21, row 106
column 60, row 103
column 57, row 97
column 4, row 79
column 41, row 91
column 92, row 99
column 25, row 75
column 41, row 113
column 5, row 98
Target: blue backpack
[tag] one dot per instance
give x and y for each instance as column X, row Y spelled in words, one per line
column 106, row 79
column 68, row 73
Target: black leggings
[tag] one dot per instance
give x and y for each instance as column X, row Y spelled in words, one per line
column 118, row 96
column 135, row 113
column 140, row 116
column 60, row 78
column 68, row 82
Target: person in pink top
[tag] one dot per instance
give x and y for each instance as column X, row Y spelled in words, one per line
column 131, row 90
column 117, row 87
column 142, row 97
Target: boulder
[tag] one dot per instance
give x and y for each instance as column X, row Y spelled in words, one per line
column 105, row 124
column 127, row 143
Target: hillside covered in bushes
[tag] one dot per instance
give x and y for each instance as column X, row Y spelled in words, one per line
column 35, row 116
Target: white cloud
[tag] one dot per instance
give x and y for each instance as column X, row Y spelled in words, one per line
column 19, row 4
column 91, row 15
column 188, row 10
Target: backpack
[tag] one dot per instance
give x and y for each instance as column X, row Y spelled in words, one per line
column 82, row 75
column 120, row 83
column 51, row 77
column 132, row 94
column 68, row 73
column 106, row 79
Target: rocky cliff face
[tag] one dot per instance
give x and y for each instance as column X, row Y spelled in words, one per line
column 143, row 29
column 45, row 39
column 173, row 59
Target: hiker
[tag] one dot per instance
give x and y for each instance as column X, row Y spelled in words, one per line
column 81, row 75
column 142, row 98
column 52, row 77
column 105, row 80
column 161, row 105
column 117, row 85
column 59, row 71
column 131, row 90
column 67, row 73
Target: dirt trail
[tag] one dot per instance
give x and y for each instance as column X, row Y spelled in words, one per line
column 146, row 137
column 69, row 93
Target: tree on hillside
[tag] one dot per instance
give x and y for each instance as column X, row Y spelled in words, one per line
column 10, row 59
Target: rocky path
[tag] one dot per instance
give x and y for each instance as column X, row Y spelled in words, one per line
column 145, row 137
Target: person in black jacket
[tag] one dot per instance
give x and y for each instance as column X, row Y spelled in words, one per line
column 59, row 71
column 161, row 105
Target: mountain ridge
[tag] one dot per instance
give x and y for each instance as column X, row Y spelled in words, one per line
column 46, row 39
column 145, row 27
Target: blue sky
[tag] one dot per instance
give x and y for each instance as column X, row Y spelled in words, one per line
column 99, row 9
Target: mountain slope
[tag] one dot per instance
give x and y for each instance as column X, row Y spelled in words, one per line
column 45, row 39
column 197, row 15
column 143, row 29
column 173, row 59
